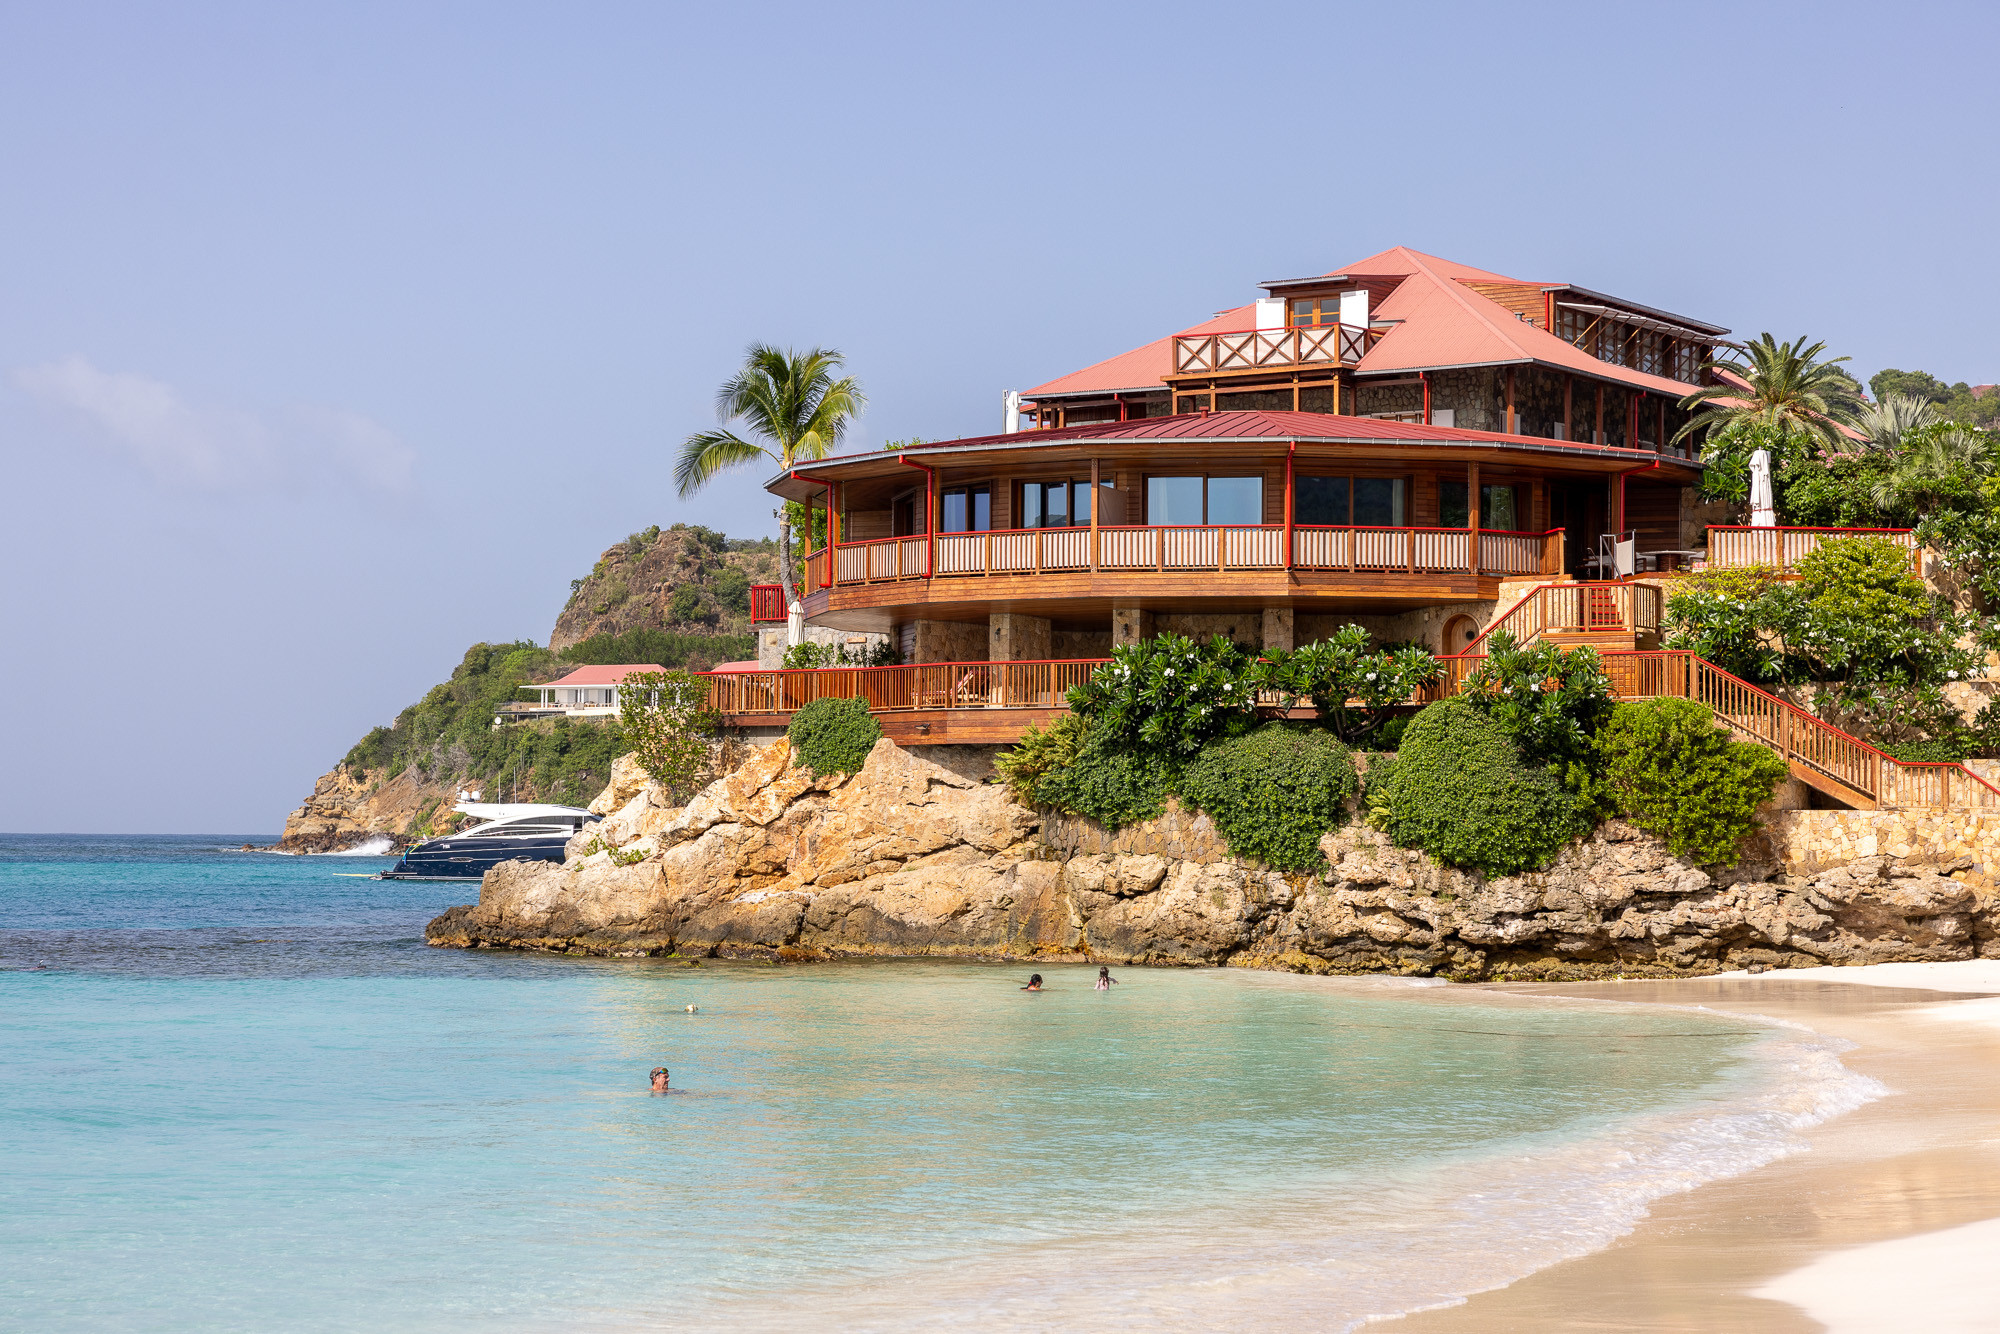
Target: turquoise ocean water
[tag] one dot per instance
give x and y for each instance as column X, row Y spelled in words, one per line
column 238, row 1092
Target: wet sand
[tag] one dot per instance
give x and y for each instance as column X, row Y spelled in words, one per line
column 1868, row 1230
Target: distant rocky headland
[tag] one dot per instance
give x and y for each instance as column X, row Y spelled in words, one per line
column 677, row 596
column 918, row 855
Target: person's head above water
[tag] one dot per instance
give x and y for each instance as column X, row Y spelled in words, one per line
column 1034, row 983
column 659, row 1078
column 1104, row 972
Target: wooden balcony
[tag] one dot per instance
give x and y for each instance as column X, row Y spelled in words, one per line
column 1248, row 351
column 1182, row 550
column 767, row 602
column 1783, row 548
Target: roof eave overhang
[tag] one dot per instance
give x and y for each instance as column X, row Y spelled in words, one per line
column 801, row 488
column 1605, row 297
column 1608, row 375
column 1157, row 387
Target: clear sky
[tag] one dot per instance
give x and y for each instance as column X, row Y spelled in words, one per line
column 335, row 338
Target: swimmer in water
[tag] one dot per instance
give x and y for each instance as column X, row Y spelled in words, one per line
column 1105, row 981
column 660, row 1079
column 1034, row 983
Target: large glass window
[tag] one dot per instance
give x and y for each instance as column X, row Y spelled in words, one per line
column 1372, row 502
column 1378, row 502
column 965, row 509
column 1172, row 501
column 1056, row 504
column 1236, row 500
column 1321, row 500
column 1499, row 509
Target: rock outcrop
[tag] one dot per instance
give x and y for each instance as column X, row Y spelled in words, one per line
column 912, row 857
column 348, row 809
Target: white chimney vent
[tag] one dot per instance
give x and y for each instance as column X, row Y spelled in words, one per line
column 1354, row 308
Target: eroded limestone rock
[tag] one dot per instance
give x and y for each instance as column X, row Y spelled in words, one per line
column 914, row 857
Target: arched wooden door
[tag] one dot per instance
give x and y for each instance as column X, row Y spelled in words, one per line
column 1459, row 632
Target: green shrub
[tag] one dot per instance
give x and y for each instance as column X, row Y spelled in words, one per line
column 834, row 736
column 1355, row 688
column 1460, row 790
column 1273, row 792
column 1038, row 752
column 732, row 590
column 1674, row 772
column 666, row 721
column 1168, row 694
column 1550, row 701
column 1109, row 783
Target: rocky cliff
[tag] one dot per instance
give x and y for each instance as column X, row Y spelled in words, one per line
column 347, row 810
column 685, row 580
column 917, row 856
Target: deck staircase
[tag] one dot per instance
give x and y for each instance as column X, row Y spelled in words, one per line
column 1619, row 620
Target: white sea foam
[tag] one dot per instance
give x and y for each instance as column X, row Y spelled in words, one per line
column 1339, row 1254
column 374, row 847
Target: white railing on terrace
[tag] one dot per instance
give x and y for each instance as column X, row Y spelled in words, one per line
column 1221, row 548
column 1256, row 349
column 1782, row 548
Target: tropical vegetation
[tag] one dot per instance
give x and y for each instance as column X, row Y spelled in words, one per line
column 833, row 736
column 668, row 726
column 794, row 406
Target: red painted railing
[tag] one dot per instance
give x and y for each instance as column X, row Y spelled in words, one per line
column 1813, row 747
column 1580, row 608
column 924, row 685
column 767, row 602
column 1782, row 548
column 1220, row 547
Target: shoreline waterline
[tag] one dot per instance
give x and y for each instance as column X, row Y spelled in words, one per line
column 256, row 1067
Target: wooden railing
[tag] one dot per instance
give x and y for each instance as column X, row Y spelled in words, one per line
column 1577, row 608
column 1782, row 548
column 1255, row 349
column 1221, row 548
column 767, row 602
column 1813, row 747
column 925, row 685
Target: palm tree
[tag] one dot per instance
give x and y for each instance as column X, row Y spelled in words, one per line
column 1780, row 385
column 793, row 404
column 1936, row 457
column 1897, row 415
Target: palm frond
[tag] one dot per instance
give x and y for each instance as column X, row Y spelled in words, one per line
column 706, row 453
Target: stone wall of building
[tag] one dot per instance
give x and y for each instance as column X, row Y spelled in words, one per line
column 1807, row 842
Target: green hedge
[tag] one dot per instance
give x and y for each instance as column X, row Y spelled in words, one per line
column 1673, row 772
column 833, row 736
column 1273, row 792
column 1460, row 790
column 1108, row 783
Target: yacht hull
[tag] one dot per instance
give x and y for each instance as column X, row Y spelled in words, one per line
column 471, row 858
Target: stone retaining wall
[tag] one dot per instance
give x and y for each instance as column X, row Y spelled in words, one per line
column 1808, row 842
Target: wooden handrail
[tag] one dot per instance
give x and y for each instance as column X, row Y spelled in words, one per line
column 1735, row 546
column 1581, row 606
column 1811, row 746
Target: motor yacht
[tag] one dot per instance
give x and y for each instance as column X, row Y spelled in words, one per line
column 512, row 832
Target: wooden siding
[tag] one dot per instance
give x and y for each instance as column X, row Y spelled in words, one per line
column 1523, row 299
column 1655, row 511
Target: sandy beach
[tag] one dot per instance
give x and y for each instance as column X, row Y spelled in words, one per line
column 1889, row 1221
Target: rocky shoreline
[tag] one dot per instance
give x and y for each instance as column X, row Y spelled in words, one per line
column 912, row 856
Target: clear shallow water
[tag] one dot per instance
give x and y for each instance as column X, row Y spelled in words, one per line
column 237, row 1091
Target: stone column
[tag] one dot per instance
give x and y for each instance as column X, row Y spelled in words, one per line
column 946, row 641
column 1014, row 637
column 1278, row 623
column 1129, row 625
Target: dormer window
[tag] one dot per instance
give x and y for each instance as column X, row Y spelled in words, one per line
column 1312, row 312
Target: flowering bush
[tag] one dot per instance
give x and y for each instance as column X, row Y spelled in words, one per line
column 1355, row 690
column 1168, row 694
column 1856, row 637
column 1550, row 701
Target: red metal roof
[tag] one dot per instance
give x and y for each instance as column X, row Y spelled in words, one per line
column 603, row 675
column 1443, row 324
column 1245, row 425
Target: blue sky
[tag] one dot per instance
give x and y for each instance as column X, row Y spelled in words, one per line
column 336, row 338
